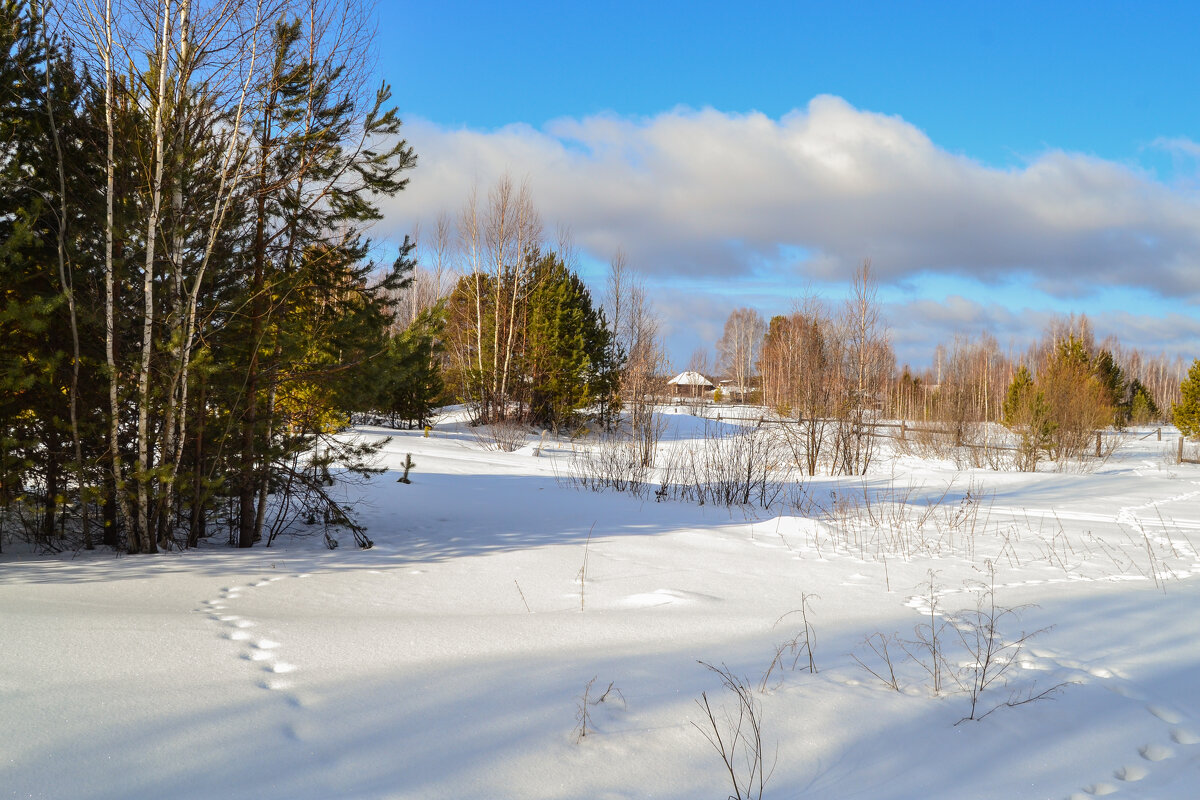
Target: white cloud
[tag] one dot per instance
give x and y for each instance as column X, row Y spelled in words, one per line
column 744, row 205
column 709, row 193
column 1179, row 145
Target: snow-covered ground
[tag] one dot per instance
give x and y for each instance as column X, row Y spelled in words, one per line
column 451, row 660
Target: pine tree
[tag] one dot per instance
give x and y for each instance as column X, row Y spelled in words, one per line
column 406, row 380
column 201, row 300
column 567, row 357
column 46, row 140
column 562, row 360
column 313, row 315
column 1186, row 413
column 1026, row 413
column 1077, row 402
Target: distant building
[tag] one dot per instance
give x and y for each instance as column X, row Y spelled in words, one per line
column 690, row 384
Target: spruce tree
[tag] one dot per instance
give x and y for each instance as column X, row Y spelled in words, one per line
column 1116, row 390
column 1142, row 408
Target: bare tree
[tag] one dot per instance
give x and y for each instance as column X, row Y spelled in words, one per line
column 971, row 389
column 816, row 389
column 698, row 362
column 635, row 329
column 739, row 346
column 468, row 349
column 433, row 277
column 500, row 248
column 867, row 363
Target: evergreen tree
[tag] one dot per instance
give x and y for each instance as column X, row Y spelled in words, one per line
column 313, row 315
column 568, row 355
column 46, row 140
column 1142, row 408
column 562, row 360
column 1116, row 391
column 1186, row 413
column 1077, row 403
column 233, row 265
column 1026, row 413
column 407, row 379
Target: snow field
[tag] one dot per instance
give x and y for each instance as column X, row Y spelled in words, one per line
column 450, row 660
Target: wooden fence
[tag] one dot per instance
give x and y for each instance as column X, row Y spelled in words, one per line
column 901, row 428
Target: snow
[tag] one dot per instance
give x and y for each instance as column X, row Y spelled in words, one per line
column 450, row 659
column 689, row 378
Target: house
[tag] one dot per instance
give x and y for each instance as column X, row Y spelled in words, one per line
column 690, row 384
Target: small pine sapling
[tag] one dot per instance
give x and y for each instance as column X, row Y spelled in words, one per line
column 408, row 465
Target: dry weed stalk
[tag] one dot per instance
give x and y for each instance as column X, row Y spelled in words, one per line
column 585, row 703
column 800, row 645
column 737, row 735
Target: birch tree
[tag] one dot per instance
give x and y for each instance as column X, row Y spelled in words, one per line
column 739, row 347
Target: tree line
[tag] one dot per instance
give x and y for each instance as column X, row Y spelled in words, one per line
column 189, row 297
column 830, row 370
column 191, row 306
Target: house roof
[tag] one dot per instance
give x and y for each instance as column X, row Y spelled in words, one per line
column 690, row 378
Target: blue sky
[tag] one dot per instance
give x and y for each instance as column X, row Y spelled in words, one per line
column 999, row 163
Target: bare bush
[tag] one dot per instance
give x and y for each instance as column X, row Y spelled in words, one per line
column 737, row 735
column 884, row 661
column 507, row 437
column 614, row 463
column 928, row 649
column 740, row 467
column 987, row 654
column 990, row 655
column 894, row 520
column 799, row 646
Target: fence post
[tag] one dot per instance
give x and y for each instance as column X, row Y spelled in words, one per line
column 1097, row 444
column 903, row 428
column 1159, row 432
column 1180, row 458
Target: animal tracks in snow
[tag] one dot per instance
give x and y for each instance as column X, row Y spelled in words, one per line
column 1150, row 754
column 261, row 652
column 263, row 655
column 1165, row 714
column 1142, row 760
column 1130, row 773
column 1155, row 752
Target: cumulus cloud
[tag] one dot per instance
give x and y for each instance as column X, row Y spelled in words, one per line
column 707, row 193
